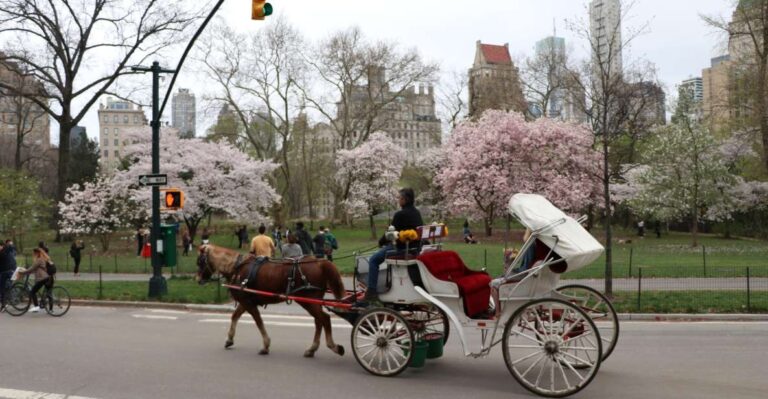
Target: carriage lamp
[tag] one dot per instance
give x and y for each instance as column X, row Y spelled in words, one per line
column 260, row 9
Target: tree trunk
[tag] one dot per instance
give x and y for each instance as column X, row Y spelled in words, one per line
column 608, row 220
column 488, row 222
column 373, row 226
column 17, row 160
column 65, row 126
column 104, row 238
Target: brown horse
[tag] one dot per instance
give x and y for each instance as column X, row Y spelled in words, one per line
column 272, row 276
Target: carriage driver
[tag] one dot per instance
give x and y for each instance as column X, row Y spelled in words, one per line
column 407, row 218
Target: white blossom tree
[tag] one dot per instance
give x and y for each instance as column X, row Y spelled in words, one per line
column 371, row 171
column 213, row 176
column 99, row 208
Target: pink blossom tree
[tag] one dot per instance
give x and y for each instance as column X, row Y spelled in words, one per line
column 500, row 154
column 99, row 208
column 213, row 176
column 370, row 173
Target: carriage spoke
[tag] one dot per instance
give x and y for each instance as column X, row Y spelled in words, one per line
column 529, row 338
column 525, row 346
column 538, row 334
column 533, row 365
column 369, row 352
column 568, row 364
column 562, row 370
column 552, row 375
column 526, row 357
column 578, row 359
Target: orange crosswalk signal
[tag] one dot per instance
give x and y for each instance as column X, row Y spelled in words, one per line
column 260, row 9
column 174, row 199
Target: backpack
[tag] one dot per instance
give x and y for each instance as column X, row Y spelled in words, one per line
column 50, row 268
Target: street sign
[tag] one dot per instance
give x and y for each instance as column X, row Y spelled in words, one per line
column 153, row 180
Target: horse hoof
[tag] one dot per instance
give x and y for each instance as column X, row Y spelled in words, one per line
column 264, row 352
column 309, row 354
column 228, row 344
column 339, row 350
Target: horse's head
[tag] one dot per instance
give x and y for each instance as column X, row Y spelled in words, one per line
column 204, row 267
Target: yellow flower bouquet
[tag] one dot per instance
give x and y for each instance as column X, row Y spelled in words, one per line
column 408, row 236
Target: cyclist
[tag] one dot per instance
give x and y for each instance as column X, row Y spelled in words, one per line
column 7, row 266
column 39, row 262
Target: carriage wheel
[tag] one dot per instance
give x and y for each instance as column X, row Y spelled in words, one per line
column 427, row 319
column 17, row 300
column 382, row 341
column 599, row 309
column 539, row 350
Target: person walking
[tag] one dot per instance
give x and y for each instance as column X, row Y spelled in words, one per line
column 205, row 236
column 318, row 243
column 39, row 262
column 139, row 241
column 75, row 251
column 243, row 235
column 641, row 228
column 657, row 229
column 44, row 247
column 7, row 267
column 186, row 242
column 262, row 244
column 330, row 244
column 277, row 237
column 291, row 249
column 303, row 238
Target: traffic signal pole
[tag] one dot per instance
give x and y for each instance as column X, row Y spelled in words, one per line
column 157, row 283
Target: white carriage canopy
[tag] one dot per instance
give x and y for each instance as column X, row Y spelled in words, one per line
column 574, row 244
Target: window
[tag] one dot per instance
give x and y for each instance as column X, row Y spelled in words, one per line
column 106, row 118
column 106, row 153
column 116, row 143
column 136, row 119
column 114, row 119
column 106, row 130
column 125, row 119
column 117, row 154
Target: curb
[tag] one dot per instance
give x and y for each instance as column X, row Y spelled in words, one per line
column 193, row 307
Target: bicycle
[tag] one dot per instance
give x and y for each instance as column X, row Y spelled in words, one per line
column 54, row 299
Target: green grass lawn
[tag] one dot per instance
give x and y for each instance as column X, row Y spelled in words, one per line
column 670, row 256
column 180, row 290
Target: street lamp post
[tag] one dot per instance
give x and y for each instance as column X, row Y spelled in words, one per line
column 157, row 284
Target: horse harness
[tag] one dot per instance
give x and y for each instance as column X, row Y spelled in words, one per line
column 255, row 264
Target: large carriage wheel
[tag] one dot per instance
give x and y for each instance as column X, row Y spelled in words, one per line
column 539, row 347
column 599, row 309
column 428, row 319
column 18, row 300
column 382, row 342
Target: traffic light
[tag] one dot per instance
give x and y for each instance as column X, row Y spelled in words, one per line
column 260, row 9
column 173, row 199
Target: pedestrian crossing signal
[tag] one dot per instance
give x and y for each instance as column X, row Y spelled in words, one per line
column 260, row 9
column 173, row 199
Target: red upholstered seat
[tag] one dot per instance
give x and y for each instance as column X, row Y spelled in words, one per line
column 473, row 286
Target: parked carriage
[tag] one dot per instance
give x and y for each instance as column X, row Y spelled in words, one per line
column 553, row 339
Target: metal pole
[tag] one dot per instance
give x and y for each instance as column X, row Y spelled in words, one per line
column 90, row 262
column 101, row 289
column 66, row 268
column 115, row 256
column 631, row 250
column 639, row 285
column 704, row 256
column 749, row 294
column 485, row 258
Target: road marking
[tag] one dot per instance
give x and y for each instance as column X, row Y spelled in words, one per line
column 276, row 323
column 168, row 311
column 154, row 317
column 18, row 394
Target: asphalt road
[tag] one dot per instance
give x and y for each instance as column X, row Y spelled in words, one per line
column 140, row 353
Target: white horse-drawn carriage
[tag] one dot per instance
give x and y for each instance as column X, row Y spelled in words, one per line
column 553, row 338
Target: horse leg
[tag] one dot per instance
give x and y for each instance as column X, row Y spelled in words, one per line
column 323, row 320
column 310, row 352
column 254, row 311
column 233, row 324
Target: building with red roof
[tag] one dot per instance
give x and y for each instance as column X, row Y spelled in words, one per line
column 494, row 81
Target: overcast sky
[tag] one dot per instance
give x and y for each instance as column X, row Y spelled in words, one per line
column 677, row 41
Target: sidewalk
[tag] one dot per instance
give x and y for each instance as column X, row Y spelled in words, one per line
column 619, row 284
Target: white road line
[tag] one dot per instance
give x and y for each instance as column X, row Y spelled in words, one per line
column 275, row 323
column 169, row 311
column 18, row 394
column 154, row 317
column 268, row 316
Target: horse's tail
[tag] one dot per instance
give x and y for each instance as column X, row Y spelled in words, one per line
column 333, row 278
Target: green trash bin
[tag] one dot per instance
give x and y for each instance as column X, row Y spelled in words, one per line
column 168, row 233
